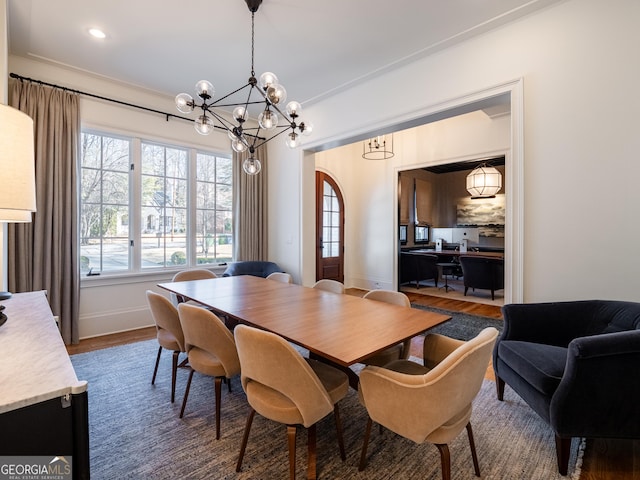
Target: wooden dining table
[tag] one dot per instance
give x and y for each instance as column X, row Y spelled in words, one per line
column 343, row 329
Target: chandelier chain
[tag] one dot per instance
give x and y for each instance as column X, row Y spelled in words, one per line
column 253, row 73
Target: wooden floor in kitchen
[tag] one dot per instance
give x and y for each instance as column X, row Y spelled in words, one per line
column 604, row 459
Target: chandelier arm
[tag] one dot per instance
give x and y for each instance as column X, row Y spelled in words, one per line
column 216, row 103
column 285, row 115
column 236, row 104
column 228, row 126
column 275, row 107
column 283, row 129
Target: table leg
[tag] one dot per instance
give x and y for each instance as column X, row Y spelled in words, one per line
column 354, row 380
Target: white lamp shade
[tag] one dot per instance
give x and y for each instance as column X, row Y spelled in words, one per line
column 484, row 181
column 18, row 192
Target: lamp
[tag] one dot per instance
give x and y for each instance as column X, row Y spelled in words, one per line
column 18, row 192
column 272, row 96
column 376, row 148
column 484, row 182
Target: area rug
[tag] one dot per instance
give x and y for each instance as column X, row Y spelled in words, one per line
column 462, row 325
column 135, row 432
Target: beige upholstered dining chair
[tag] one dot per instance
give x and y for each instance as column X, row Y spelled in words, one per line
column 168, row 332
column 430, row 402
column 329, row 285
column 401, row 350
column 191, row 274
column 284, row 387
column 280, row 277
column 211, row 350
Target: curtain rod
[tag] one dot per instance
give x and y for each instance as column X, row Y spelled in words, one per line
column 120, row 102
column 86, row 94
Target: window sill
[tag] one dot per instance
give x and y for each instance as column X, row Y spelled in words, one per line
column 102, row 280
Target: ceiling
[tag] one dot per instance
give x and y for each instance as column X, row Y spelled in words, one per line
column 315, row 47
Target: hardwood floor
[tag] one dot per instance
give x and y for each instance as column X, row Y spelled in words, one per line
column 106, row 341
column 604, row 459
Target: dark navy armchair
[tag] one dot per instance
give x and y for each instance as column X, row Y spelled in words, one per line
column 576, row 365
column 252, row 267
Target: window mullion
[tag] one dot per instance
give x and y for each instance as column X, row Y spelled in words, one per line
column 192, row 192
column 135, row 206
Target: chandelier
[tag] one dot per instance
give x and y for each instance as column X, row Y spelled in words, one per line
column 484, row 182
column 266, row 92
column 376, row 148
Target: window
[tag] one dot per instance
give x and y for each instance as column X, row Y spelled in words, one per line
column 330, row 222
column 164, row 183
column 104, row 203
column 146, row 205
column 213, row 209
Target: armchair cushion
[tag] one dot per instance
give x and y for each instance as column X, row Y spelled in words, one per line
column 540, row 365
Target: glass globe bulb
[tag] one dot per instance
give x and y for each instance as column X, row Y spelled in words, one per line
column 205, row 89
column 239, row 114
column 184, row 103
column 294, row 109
column 276, row 94
column 266, row 80
column 293, row 140
column 251, row 166
column 204, row 125
column 306, row 128
column 268, row 120
column 238, row 145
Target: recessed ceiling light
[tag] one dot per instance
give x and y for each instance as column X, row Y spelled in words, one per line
column 96, row 32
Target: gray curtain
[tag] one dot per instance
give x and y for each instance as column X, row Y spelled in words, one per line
column 250, row 209
column 43, row 255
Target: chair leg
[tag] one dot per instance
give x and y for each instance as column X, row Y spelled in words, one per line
column 500, row 388
column 445, row 460
column 155, row 370
column 563, row 451
column 312, row 455
column 174, row 373
column 474, row 455
column 245, row 438
column 291, row 441
column 186, row 393
column 465, row 291
column 218, row 390
column 336, row 415
column 493, row 294
column 363, row 455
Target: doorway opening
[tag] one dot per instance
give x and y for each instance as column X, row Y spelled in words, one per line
column 508, row 94
column 441, row 223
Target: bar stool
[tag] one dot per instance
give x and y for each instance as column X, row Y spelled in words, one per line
column 447, row 268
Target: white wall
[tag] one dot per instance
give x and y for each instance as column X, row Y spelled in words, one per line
column 580, row 141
